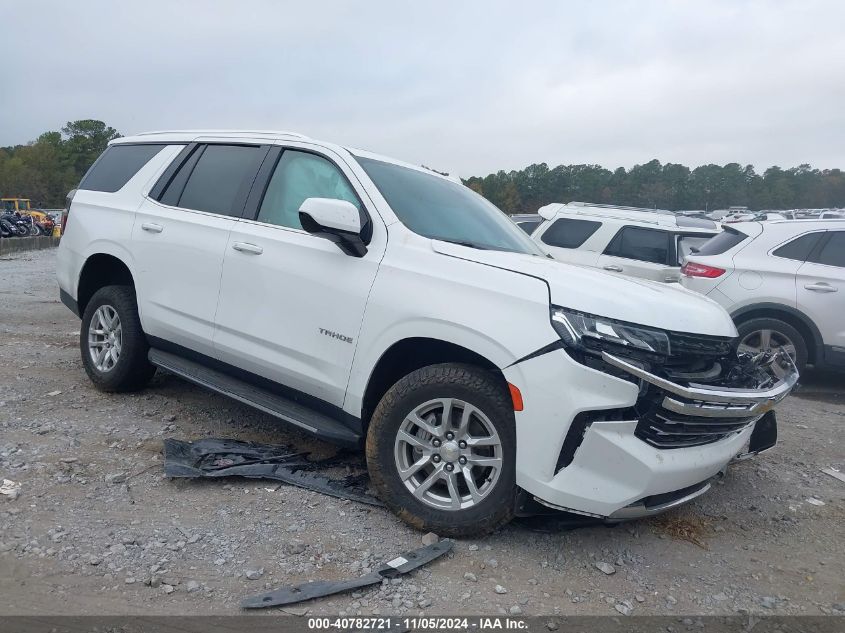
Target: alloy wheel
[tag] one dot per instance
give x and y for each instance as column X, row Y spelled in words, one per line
column 448, row 454
column 767, row 340
column 105, row 338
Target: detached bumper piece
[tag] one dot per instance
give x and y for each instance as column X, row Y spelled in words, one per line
column 682, row 416
column 320, row 588
column 231, row 458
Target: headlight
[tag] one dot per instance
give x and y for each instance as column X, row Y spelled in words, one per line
column 591, row 333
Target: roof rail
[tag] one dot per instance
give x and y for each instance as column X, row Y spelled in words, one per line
column 212, row 132
column 615, row 206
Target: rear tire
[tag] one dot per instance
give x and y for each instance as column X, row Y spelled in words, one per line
column 771, row 334
column 114, row 349
column 470, row 495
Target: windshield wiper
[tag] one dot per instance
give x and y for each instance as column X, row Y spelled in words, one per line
column 463, row 243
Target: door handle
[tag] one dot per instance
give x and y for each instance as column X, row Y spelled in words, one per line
column 152, row 228
column 613, row 267
column 246, row 247
column 821, row 287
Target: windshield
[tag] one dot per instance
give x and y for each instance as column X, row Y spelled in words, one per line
column 444, row 210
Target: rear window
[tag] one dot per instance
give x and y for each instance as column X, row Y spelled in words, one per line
column 645, row 245
column 689, row 243
column 215, row 179
column 799, row 248
column 722, row 243
column 569, row 233
column 116, row 166
column 529, row 225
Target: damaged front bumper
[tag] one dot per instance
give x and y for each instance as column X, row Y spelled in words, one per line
column 696, row 414
column 637, row 446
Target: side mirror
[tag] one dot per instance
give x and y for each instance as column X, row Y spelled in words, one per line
column 338, row 221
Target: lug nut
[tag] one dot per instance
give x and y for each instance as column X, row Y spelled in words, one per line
column 449, row 467
column 449, row 436
column 462, row 444
column 436, row 459
column 462, row 460
column 436, row 443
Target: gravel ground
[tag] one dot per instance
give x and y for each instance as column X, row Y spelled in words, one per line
column 98, row 529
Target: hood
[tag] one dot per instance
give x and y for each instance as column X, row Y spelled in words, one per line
column 664, row 306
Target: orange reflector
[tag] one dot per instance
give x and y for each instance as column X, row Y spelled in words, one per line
column 516, row 396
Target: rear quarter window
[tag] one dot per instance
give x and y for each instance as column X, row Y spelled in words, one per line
column 833, row 252
column 569, row 233
column 116, row 166
column 799, row 248
column 722, row 243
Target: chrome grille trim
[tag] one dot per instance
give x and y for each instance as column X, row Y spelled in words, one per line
column 694, row 415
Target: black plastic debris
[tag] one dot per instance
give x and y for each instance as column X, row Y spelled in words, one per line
column 320, row 588
column 232, row 458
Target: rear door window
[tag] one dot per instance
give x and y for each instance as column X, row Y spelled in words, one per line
column 645, row 245
column 569, row 233
column 116, row 166
column 800, row 248
column 215, row 178
column 833, row 252
column 722, row 243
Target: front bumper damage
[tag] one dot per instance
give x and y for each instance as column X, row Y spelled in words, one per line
column 640, row 443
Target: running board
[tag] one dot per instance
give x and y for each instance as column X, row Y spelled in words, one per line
column 303, row 417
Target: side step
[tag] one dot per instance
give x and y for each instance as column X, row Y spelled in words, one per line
column 303, row 417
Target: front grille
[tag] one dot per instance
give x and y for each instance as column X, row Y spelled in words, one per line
column 685, row 344
column 695, row 352
column 665, row 429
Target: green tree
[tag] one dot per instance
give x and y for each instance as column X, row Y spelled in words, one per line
column 85, row 140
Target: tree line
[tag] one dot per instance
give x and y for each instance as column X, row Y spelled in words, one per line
column 47, row 168
column 670, row 186
column 44, row 170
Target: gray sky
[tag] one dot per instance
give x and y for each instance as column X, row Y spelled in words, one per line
column 469, row 87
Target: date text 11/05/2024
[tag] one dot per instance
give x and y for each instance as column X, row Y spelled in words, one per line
column 434, row 623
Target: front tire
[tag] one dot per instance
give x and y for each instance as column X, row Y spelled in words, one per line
column 113, row 345
column 441, row 450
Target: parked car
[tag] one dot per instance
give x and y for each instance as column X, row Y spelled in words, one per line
column 832, row 215
column 733, row 218
column 377, row 304
column 527, row 221
column 783, row 283
column 626, row 240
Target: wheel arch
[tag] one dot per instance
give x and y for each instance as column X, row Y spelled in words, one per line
column 793, row 317
column 101, row 269
column 408, row 355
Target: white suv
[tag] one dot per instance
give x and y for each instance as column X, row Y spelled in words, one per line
column 373, row 303
column 783, row 282
column 638, row 242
